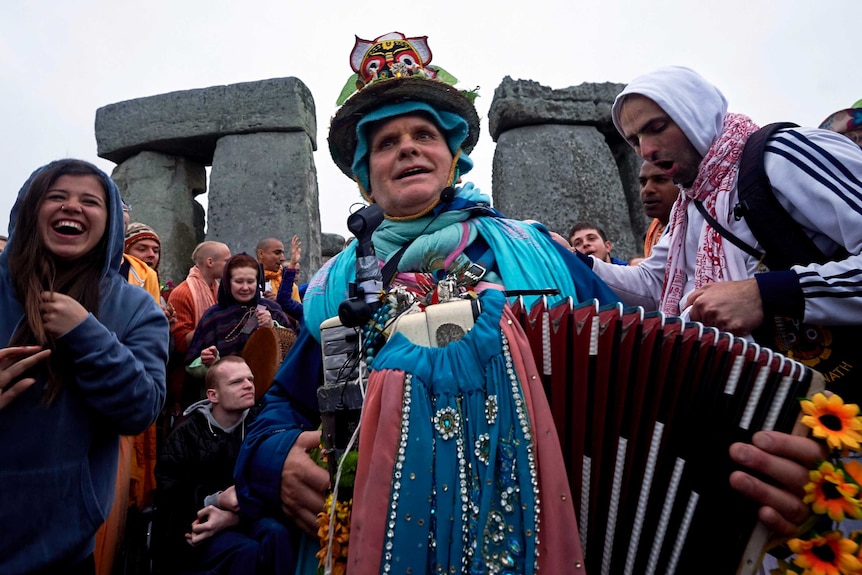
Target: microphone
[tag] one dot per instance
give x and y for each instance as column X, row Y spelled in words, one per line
column 447, row 195
column 363, row 300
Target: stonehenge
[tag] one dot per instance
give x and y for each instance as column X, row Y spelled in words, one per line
column 558, row 159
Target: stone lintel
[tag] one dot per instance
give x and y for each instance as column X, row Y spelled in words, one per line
column 188, row 123
column 520, row 103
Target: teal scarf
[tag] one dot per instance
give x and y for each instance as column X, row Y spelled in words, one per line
column 525, row 257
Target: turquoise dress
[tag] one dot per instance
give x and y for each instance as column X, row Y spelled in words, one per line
column 462, row 455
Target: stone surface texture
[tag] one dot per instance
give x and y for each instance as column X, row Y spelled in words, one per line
column 264, row 185
column 559, row 159
column 188, row 123
column 161, row 190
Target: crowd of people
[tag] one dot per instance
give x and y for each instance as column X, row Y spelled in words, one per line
column 116, row 398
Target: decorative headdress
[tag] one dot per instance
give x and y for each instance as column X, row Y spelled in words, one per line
column 847, row 122
column 394, row 70
column 137, row 232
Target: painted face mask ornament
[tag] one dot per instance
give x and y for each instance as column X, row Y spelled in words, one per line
column 390, row 56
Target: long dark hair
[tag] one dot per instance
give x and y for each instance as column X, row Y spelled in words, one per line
column 34, row 269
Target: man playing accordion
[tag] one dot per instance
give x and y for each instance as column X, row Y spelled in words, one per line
column 459, row 467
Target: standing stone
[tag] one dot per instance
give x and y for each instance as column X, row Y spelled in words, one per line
column 558, row 175
column 264, row 185
column 161, row 190
column 559, row 159
column 188, row 123
column 264, row 132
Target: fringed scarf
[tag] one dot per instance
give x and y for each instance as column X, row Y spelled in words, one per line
column 715, row 180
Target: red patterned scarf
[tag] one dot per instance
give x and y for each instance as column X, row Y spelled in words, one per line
column 715, row 180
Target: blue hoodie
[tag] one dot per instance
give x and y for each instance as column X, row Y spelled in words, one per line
column 58, row 461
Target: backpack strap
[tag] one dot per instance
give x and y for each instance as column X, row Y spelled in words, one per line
column 784, row 240
column 726, row 233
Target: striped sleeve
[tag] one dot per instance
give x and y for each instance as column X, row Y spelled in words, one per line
column 817, row 177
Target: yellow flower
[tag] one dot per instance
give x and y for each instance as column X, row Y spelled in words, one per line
column 829, row 554
column 832, row 420
column 830, row 493
column 853, row 469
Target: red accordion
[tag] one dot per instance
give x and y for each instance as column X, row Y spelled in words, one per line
column 646, row 407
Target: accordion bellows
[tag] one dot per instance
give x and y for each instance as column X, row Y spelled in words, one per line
column 646, row 407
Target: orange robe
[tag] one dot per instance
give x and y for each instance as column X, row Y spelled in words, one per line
column 136, row 465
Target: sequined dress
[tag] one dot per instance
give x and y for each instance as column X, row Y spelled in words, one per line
column 460, row 469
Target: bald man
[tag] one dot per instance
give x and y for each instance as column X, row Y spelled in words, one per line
column 198, row 292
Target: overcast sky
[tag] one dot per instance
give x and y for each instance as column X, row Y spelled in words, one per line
column 793, row 60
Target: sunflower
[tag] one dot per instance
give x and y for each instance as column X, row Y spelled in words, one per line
column 832, row 420
column 829, row 554
column 853, row 470
column 829, row 492
column 856, row 537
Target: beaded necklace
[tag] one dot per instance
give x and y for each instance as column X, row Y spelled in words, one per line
column 236, row 330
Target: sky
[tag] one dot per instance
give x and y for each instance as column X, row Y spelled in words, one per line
column 775, row 60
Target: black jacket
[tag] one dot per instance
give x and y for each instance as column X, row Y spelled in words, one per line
column 197, row 460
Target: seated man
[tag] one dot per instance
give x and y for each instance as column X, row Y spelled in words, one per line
column 589, row 239
column 198, row 520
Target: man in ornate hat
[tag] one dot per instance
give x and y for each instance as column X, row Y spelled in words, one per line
column 404, row 138
column 457, row 441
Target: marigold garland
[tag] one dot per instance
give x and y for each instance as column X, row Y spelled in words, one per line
column 343, row 509
column 829, row 554
column 340, row 542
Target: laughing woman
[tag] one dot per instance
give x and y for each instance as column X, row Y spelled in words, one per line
column 100, row 372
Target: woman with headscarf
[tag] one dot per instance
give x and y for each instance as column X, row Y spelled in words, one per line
column 225, row 328
column 102, row 373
